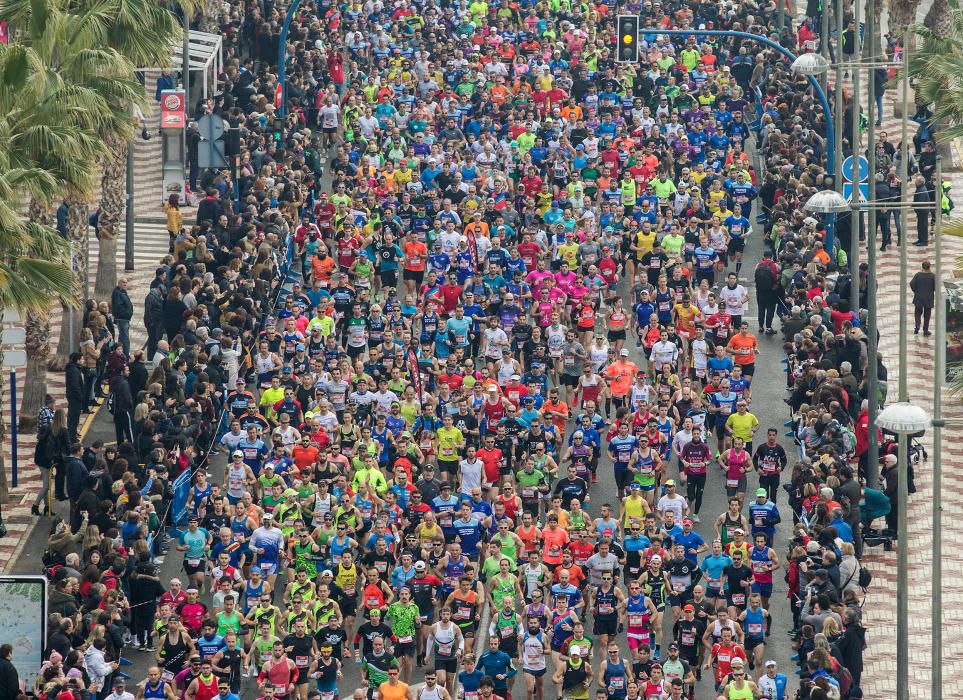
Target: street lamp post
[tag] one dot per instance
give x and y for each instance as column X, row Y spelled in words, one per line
column 939, row 360
column 903, row 419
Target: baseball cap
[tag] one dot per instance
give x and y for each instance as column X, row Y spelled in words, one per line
column 821, row 573
column 689, row 608
column 761, row 492
column 420, row 565
column 670, row 482
column 624, row 352
column 636, row 486
column 657, row 558
column 673, row 645
column 237, row 453
column 327, row 572
column 769, row 663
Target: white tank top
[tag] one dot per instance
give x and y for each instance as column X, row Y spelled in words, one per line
column 236, row 480
column 505, row 371
column 445, row 639
column 533, row 653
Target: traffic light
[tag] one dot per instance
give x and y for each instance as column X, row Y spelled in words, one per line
column 628, row 37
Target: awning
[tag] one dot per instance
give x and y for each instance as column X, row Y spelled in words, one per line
column 205, row 55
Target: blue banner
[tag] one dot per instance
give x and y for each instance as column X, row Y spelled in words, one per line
column 182, row 490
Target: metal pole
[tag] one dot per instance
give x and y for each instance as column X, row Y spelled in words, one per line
column 854, row 145
column 70, row 308
column 936, row 633
column 186, row 63
column 872, row 379
column 13, row 427
column 902, row 599
column 780, row 17
column 840, row 100
column 903, row 163
column 129, row 219
column 823, row 37
column 902, row 592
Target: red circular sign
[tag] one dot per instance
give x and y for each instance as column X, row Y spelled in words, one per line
column 173, row 102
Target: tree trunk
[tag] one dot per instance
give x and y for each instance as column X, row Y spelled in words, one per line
column 902, row 13
column 4, row 491
column 873, row 45
column 113, row 199
column 78, row 234
column 939, row 19
column 37, row 330
column 106, row 263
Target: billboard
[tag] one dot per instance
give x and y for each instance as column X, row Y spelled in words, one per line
column 23, row 619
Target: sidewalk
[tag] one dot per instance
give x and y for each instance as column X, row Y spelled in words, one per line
column 879, row 608
column 151, row 245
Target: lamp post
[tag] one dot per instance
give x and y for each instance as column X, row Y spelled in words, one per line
column 903, row 419
column 939, row 360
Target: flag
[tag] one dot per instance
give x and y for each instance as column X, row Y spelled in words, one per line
column 415, row 371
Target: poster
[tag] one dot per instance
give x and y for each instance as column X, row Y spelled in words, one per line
column 23, row 617
column 173, row 109
column 954, row 330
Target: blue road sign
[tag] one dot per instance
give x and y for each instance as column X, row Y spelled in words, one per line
column 863, row 169
column 863, row 193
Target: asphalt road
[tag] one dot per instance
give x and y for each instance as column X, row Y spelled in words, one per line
column 767, row 404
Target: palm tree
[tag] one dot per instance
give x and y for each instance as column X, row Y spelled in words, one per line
column 96, row 44
column 34, row 259
column 935, row 66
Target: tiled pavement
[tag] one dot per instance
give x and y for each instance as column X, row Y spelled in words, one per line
column 879, row 609
column 151, row 243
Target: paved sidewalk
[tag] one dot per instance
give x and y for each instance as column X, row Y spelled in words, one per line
column 879, row 609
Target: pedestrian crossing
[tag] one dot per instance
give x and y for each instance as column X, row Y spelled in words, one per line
column 150, row 245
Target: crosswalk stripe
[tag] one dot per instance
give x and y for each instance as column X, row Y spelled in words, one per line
column 150, row 242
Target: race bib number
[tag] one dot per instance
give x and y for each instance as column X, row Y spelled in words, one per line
column 407, row 639
column 193, row 561
column 446, row 649
column 755, row 629
column 636, row 620
column 606, row 609
column 732, row 483
column 463, row 613
column 506, row 632
column 738, row 598
column 617, row 683
column 528, row 492
column 302, row 661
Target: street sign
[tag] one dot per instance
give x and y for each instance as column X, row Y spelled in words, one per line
column 863, row 169
column 14, row 336
column 210, row 151
column 14, row 359
column 863, row 193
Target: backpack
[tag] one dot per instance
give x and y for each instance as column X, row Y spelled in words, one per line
column 764, row 277
column 865, row 577
column 849, row 439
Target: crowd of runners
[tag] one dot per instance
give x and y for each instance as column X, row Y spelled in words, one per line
column 516, row 277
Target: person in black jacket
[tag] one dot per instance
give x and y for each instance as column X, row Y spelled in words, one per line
column 154, row 318
column 138, row 373
column 852, row 644
column 76, row 480
column 9, row 678
column 76, row 394
column 173, row 316
column 123, row 405
column 123, row 311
